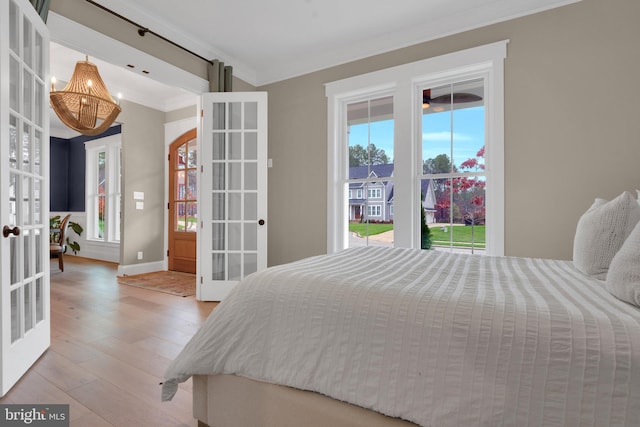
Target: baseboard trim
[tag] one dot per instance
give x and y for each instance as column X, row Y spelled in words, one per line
column 147, row 267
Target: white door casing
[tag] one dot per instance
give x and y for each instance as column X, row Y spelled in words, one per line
column 232, row 241
column 24, row 189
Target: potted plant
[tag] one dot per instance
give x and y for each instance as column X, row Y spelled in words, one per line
column 55, row 221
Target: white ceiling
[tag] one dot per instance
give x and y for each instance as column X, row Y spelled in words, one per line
column 132, row 86
column 271, row 40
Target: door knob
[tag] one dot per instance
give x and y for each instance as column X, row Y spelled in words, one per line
column 6, row 230
column 261, row 222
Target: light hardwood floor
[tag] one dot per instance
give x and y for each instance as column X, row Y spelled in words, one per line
column 110, row 345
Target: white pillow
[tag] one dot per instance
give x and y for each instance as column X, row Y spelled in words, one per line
column 623, row 279
column 601, row 231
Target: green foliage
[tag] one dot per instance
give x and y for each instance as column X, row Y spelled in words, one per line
column 55, row 222
column 359, row 156
column 425, row 232
column 440, row 164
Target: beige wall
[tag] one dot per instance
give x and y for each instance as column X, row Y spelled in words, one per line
column 143, row 150
column 143, row 165
column 181, row 114
column 103, row 22
column 571, row 127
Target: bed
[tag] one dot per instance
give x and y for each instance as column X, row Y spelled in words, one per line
column 410, row 337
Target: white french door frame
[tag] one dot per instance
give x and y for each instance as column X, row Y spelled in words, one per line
column 24, row 190
column 232, row 203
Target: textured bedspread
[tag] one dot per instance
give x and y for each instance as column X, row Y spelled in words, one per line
column 435, row 338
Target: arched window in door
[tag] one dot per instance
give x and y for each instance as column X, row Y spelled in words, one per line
column 183, row 202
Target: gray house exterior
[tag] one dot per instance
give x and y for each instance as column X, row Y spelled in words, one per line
column 373, row 200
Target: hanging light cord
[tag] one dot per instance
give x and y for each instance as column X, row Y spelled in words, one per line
column 143, row 30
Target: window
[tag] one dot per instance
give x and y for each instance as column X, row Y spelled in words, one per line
column 103, row 189
column 184, row 190
column 374, row 193
column 369, row 144
column 453, row 180
column 473, row 183
column 374, row 210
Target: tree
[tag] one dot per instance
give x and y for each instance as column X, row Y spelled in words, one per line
column 471, row 190
column 440, row 164
column 425, row 232
column 359, row 156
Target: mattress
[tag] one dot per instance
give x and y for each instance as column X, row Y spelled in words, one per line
column 430, row 337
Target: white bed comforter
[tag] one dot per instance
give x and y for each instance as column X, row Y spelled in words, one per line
column 435, row 338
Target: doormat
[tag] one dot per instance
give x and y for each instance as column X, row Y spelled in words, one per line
column 169, row 282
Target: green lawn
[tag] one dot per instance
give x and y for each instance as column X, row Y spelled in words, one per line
column 461, row 233
column 364, row 229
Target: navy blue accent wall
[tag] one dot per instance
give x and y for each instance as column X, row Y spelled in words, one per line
column 67, row 171
column 59, row 174
column 75, row 187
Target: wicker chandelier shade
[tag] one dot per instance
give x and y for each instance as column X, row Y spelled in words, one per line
column 84, row 101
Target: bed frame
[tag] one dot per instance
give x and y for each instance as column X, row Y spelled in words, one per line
column 233, row 401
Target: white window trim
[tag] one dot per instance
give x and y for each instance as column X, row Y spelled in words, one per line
column 377, row 208
column 402, row 82
column 111, row 144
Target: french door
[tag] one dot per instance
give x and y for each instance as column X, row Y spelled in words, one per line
column 233, row 191
column 24, row 189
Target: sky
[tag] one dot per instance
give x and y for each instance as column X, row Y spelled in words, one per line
column 468, row 134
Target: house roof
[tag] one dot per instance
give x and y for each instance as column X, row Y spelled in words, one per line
column 385, row 171
column 361, row 172
column 424, row 186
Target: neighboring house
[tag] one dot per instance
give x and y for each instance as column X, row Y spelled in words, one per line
column 373, row 200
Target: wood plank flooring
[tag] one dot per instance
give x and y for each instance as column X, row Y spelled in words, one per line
column 110, row 345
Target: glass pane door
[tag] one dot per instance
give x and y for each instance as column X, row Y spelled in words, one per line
column 24, row 191
column 183, row 202
column 235, row 190
column 234, row 186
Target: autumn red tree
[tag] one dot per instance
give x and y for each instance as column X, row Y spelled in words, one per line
column 468, row 194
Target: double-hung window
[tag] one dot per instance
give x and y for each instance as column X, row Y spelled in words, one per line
column 432, row 133
column 103, row 189
column 374, row 193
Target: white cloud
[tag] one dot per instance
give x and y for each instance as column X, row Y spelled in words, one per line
column 445, row 136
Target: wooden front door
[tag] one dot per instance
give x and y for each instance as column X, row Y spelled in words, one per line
column 183, row 202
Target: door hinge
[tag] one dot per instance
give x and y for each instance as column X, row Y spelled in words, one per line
column 201, row 168
column 201, row 113
column 167, row 252
column 168, row 205
column 201, row 281
column 169, row 157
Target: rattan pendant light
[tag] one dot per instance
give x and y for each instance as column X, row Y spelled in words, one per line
column 85, row 104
